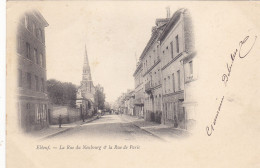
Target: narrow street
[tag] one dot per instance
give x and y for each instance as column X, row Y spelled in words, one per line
column 109, row 127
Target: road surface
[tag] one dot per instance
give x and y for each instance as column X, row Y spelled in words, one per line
column 108, row 127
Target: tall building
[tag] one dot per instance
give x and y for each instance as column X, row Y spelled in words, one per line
column 165, row 75
column 86, row 91
column 151, row 59
column 175, row 42
column 32, row 99
column 139, row 91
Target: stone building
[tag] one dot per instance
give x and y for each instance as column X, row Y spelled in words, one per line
column 129, row 103
column 175, row 43
column 139, row 91
column 32, row 99
column 166, row 72
column 151, row 74
column 86, row 91
column 190, row 64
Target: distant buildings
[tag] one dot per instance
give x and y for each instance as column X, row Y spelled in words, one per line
column 32, row 99
column 165, row 77
column 125, row 103
column 139, row 91
column 129, row 103
column 86, row 91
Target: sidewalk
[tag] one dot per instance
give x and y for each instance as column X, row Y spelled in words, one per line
column 161, row 131
column 54, row 130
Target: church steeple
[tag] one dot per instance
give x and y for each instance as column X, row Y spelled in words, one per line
column 86, row 75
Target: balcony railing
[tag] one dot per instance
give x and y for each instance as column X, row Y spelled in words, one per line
column 148, row 87
column 139, row 101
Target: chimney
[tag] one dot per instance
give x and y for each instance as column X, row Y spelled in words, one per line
column 168, row 12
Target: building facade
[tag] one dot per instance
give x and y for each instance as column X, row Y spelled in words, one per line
column 191, row 74
column 175, row 45
column 139, row 91
column 129, row 103
column 32, row 99
column 190, row 64
column 86, row 91
column 168, row 73
column 151, row 61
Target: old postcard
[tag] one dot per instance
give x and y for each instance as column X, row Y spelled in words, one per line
column 132, row 84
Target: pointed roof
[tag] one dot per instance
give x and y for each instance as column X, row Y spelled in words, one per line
column 86, row 67
column 86, row 57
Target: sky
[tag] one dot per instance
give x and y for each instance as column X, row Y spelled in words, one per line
column 115, row 34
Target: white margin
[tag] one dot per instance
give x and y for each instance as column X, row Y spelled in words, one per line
column 2, row 82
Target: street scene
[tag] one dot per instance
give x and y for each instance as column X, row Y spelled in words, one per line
column 152, row 97
column 113, row 127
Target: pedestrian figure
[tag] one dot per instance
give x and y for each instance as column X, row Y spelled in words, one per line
column 175, row 122
column 99, row 113
column 83, row 117
column 60, row 121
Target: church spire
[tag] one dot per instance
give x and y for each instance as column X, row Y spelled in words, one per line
column 86, row 76
column 86, row 56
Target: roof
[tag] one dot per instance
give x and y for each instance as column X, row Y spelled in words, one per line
column 154, row 36
column 171, row 23
column 140, row 65
column 39, row 16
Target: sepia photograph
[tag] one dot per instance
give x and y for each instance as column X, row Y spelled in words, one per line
column 65, row 90
column 132, row 84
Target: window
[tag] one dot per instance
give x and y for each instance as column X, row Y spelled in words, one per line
column 177, row 43
column 165, row 105
column 28, row 106
column 26, row 22
column 174, row 109
column 29, row 81
column 28, row 50
column 39, row 34
column 191, row 68
column 33, row 29
column 20, row 78
column 19, row 43
column 172, row 49
column 159, row 76
column 42, row 83
column 37, row 113
column 35, row 56
column 36, row 83
column 40, row 60
column 179, row 80
column 164, row 85
column 169, row 81
column 173, row 82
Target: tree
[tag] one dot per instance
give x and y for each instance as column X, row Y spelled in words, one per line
column 62, row 93
column 100, row 97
